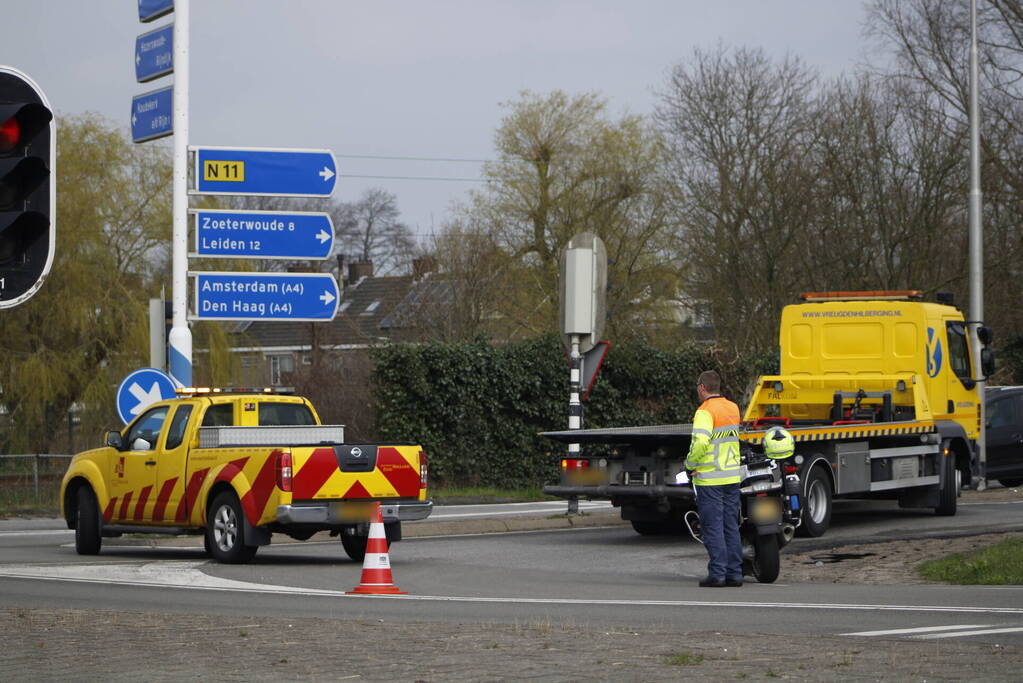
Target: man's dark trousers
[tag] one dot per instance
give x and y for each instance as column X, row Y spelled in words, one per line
column 719, row 523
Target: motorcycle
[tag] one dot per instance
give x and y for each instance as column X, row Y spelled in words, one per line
column 769, row 513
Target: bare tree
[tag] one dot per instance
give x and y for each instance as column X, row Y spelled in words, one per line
column 739, row 133
column 930, row 40
column 370, row 230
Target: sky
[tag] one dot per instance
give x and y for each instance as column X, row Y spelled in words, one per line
column 407, row 94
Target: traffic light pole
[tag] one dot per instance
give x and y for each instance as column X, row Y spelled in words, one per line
column 180, row 339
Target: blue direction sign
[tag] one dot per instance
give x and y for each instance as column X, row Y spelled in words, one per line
column 141, row 389
column 265, row 296
column 154, row 9
column 152, row 114
column 263, row 234
column 154, row 54
column 266, row 172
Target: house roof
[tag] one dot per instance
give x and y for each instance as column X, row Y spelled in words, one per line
column 364, row 306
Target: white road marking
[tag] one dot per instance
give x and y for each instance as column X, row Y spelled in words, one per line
column 922, row 629
column 963, row 634
column 36, row 532
column 172, row 574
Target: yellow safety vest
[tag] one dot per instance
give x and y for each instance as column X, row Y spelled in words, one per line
column 714, row 449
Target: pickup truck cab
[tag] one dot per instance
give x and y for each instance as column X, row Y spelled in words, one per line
column 237, row 467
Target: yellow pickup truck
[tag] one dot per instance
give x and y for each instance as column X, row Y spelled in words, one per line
column 238, row 467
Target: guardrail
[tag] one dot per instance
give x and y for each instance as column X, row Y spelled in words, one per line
column 31, row 479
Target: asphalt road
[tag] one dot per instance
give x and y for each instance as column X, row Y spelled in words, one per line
column 590, row 576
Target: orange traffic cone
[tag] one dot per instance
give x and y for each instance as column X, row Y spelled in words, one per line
column 376, row 566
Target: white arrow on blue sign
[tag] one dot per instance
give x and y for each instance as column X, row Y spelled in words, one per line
column 265, row 296
column 263, row 234
column 154, row 9
column 141, row 389
column 264, row 172
column 152, row 115
column 154, row 54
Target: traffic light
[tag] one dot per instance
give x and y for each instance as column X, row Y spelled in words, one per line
column 27, row 187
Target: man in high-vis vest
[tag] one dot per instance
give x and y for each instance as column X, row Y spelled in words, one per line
column 716, row 472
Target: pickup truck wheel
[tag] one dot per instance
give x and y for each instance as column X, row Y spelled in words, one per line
column 816, row 504
column 1010, row 483
column 224, row 531
column 949, row 487
column 87, row 521
column 355, row 545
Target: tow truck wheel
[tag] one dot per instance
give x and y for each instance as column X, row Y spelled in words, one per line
column 949, row 487
column 87, row 520
column 816, row 504
column 224, row 530
column 665, row 527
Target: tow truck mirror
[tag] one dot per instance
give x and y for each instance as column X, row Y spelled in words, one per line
column 984, row 335
column 987, row 361
column 114, row 440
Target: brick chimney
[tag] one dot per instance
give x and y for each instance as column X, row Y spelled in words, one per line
column 422, row 266
column 356, row 271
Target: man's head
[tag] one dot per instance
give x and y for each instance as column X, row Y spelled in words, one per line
column 708, row 384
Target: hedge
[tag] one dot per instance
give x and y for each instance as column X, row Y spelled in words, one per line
column 478, row 408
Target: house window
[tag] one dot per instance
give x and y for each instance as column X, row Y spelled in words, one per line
column 280, row 365
column 371, row 308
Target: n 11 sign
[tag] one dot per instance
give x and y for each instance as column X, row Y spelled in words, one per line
column 264, row 172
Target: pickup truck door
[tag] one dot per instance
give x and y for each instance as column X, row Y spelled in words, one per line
column 170, row 468
column 133, row 471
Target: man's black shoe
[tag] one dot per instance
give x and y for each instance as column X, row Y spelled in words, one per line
column 712, row 583
column 733, row 583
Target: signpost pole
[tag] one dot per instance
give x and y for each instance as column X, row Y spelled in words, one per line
column 575, row 411
column 180, row 341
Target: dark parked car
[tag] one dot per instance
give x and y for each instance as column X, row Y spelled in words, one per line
column 1004, row 439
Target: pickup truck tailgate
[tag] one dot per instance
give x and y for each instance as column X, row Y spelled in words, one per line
column 356, row 471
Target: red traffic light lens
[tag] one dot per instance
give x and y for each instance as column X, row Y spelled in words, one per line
column 10, row 135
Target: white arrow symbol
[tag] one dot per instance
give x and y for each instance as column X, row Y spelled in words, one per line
column 323, row 236
column 145, row 398
column 137, row 59
column 326, row 298
column 134, row 118
column 326, row 174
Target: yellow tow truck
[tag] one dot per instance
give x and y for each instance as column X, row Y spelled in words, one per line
column 878, row 388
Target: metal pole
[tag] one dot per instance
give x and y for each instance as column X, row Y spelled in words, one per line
column 180, row 340
column 976, row 241
column 35, row 476
column 157, row 344
column 575, row 411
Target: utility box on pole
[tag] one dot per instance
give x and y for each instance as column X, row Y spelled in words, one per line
column 583, row 290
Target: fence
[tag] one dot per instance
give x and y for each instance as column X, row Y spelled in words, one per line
column 31, row 482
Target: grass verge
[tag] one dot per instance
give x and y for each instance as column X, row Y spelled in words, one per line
column 999, row 564
column 478, row 494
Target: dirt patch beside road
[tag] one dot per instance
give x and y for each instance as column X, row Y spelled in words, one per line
column 892, row 562
column 67, row 644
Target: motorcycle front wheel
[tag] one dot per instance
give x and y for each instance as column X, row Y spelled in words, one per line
column 766, row 560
